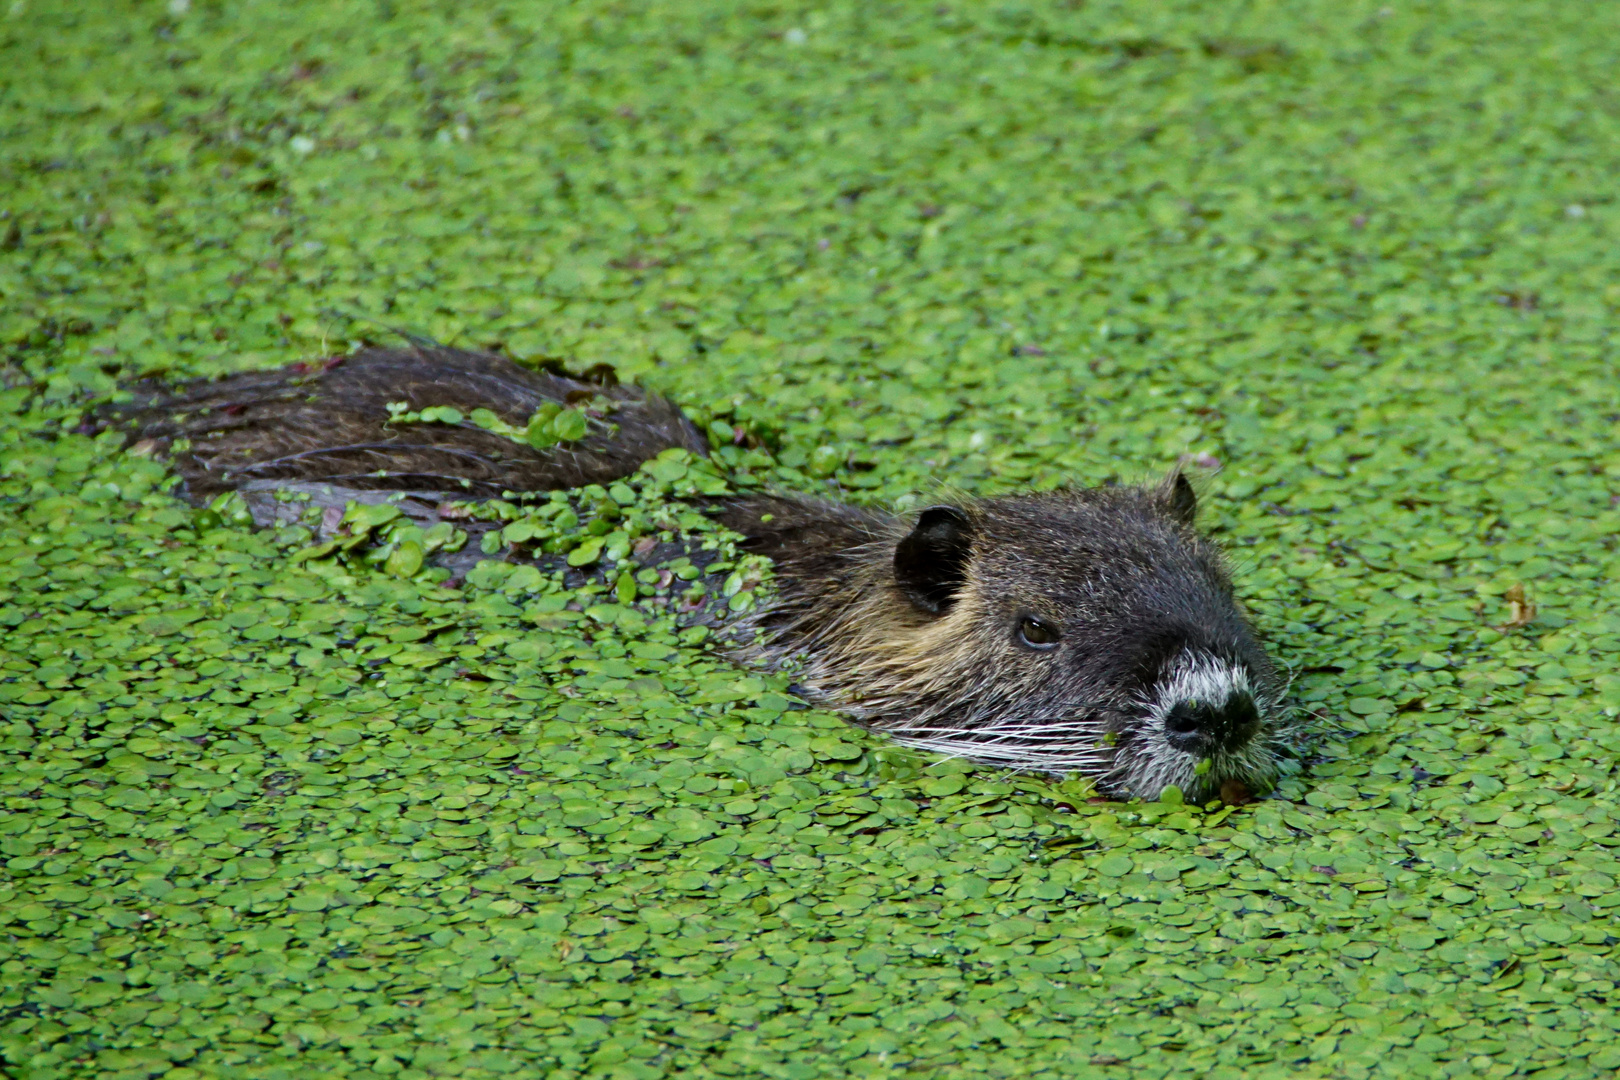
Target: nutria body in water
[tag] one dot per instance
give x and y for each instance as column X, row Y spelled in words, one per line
column 1086, row 630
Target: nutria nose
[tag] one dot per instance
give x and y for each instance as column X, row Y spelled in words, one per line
column 1202, row 727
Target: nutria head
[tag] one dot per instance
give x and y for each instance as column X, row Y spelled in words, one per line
column 1090, row 631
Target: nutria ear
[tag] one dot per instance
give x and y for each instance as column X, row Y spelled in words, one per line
column 1180, row 497
column 930, row 564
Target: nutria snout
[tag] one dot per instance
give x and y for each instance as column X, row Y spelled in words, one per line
column 1213, row 725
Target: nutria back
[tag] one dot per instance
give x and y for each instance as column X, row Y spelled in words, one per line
column 331, row 422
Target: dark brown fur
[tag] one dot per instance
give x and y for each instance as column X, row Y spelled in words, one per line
column 1085, row 630
column 330, row 422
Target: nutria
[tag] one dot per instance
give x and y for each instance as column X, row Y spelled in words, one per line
column 1084, row 630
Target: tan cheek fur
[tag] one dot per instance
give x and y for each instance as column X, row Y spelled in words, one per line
column 879, row 658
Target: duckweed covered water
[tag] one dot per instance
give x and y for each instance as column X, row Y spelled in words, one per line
column 272, row 816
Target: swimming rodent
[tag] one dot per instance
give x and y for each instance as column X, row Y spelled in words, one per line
column 1084, row 630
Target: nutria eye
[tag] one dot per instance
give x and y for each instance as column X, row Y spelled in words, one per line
column 1036, row 633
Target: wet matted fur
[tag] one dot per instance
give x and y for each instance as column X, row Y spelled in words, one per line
column 329, row 421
